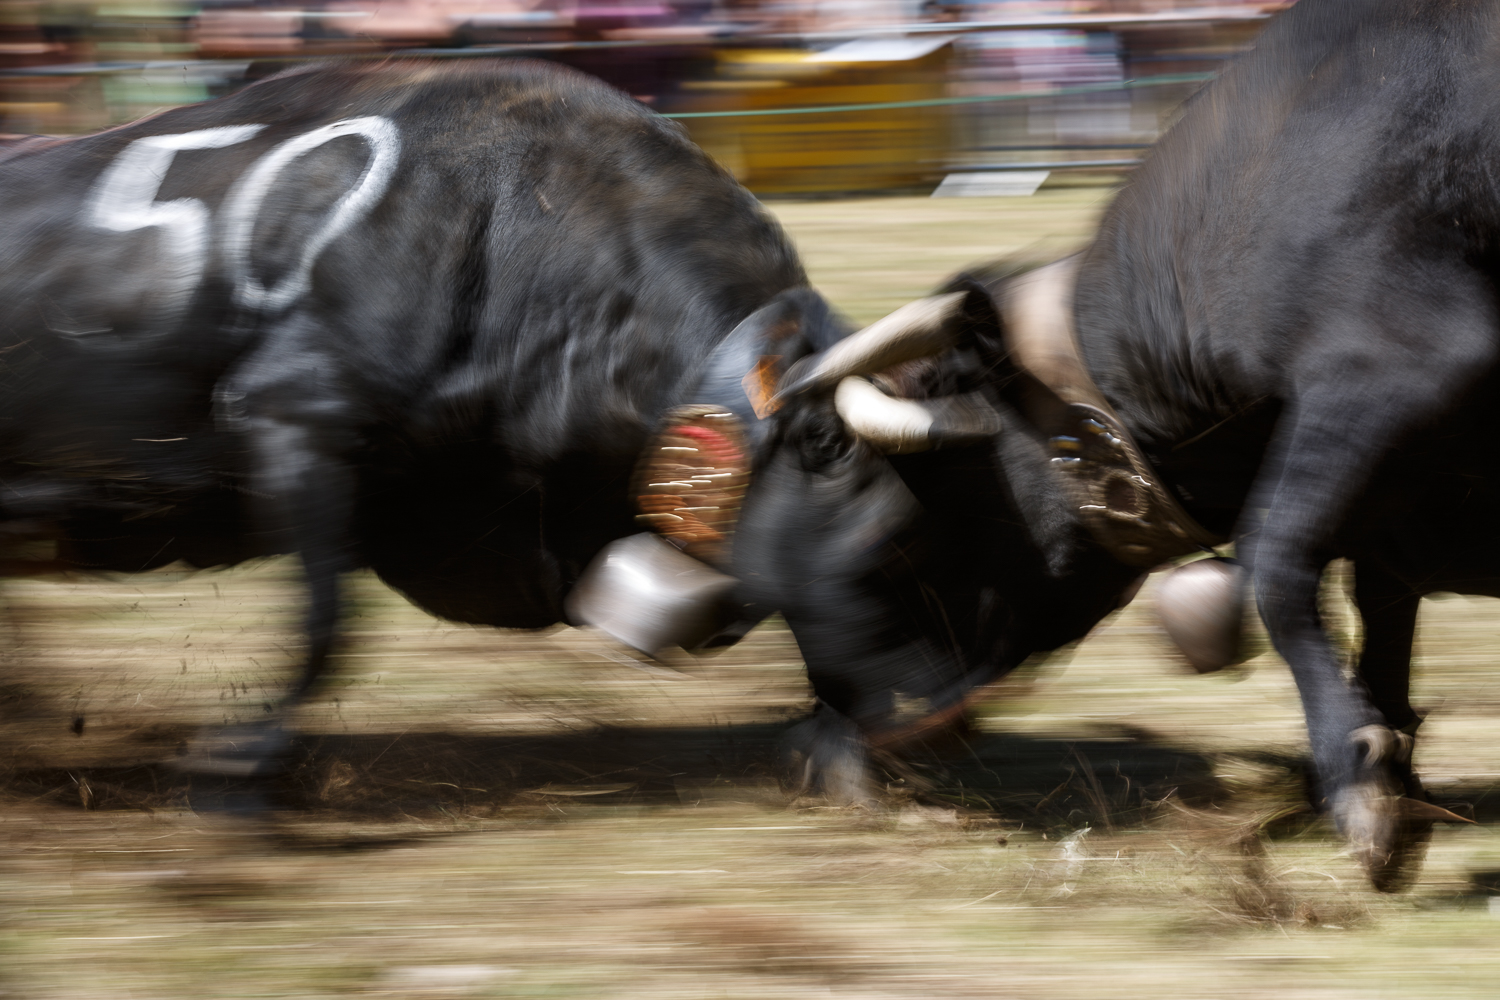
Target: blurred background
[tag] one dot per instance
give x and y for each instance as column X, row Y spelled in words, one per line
column 999, row 92
column 481, row 813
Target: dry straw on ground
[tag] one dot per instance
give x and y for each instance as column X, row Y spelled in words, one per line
column 484, row 814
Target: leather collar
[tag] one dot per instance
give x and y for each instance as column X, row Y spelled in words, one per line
column 1118, row 496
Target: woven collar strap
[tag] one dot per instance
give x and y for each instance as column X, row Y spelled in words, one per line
column 691, row 481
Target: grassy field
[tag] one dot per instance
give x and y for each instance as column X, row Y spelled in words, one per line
column 489, row 814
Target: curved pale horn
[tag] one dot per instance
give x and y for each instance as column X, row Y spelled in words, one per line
column 895, row 426
column 901, row 426
column 917, row 330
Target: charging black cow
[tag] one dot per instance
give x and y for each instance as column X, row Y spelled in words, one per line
column 426, row 318
column 1285, row 333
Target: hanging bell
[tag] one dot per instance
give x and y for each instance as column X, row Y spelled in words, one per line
column 647, row 594
column 1201, row 605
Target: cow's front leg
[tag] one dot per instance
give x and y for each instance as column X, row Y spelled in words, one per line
column 1364, row 386
column 308, row 488
column 1355, row 779
column 828, row 755
column 302, row 485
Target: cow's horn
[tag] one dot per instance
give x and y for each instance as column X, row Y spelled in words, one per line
column 895, row 426
column 916, row 330
column 900, row 426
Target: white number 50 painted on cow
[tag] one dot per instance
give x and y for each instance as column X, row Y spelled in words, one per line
column 124, row 200
column 244, row 203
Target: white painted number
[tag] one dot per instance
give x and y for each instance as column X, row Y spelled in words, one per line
column 124, row 199
column 245, row 201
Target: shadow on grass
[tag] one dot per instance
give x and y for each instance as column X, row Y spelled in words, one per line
column 1110, row 781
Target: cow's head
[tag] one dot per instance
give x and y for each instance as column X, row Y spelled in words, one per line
column 902, row 512
column 904, row 520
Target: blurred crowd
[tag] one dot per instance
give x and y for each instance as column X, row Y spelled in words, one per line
column 69, row 66
column 80, row 31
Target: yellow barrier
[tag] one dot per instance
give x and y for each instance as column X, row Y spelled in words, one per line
column 826, row 152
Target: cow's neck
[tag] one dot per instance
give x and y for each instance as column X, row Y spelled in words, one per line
column 1137, row 343
column 1118, row 496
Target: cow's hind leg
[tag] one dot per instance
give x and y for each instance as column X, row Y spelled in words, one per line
column 1388, row 607
column 1364, row 386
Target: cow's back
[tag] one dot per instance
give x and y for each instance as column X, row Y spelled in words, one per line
column 1356, row 133
column 509, row 268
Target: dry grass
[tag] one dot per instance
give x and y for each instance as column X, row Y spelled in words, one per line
column 488, row 814
column 872, row 255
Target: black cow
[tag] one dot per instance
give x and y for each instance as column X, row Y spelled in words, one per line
column 425, row 318
column 1304, row 279
column 1286, row 332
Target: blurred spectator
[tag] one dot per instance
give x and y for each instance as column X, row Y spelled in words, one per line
column 671, row 48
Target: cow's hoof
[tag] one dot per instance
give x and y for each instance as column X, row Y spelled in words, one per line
column 256, row 750
column 1384, row 836
column 827, row 755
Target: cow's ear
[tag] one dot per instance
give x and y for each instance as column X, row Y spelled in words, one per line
column 744, row 371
